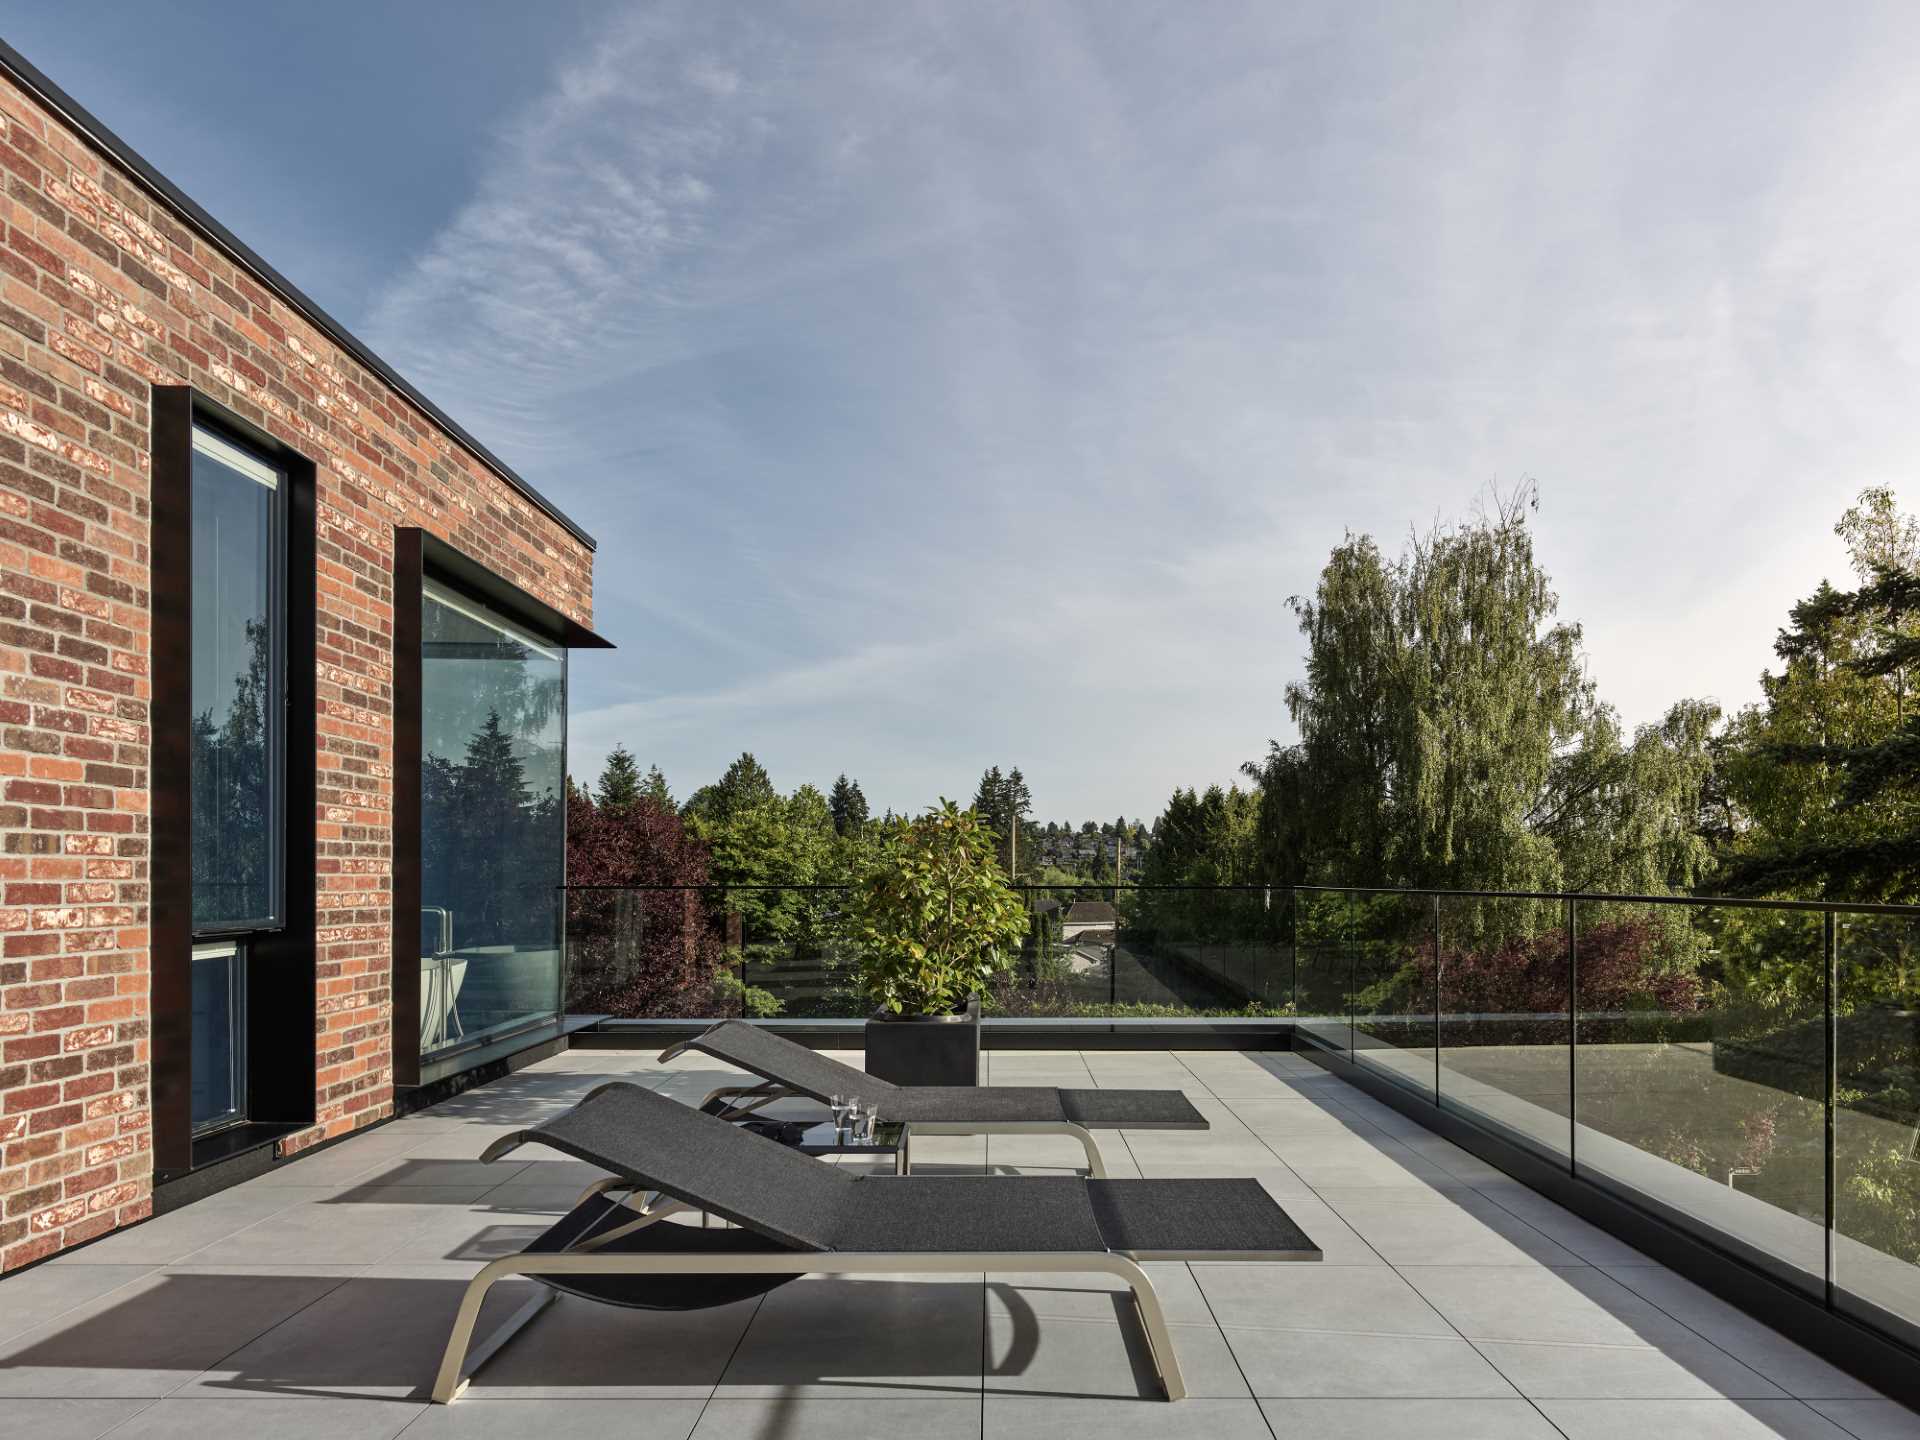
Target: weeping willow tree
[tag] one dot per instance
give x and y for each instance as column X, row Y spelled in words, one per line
column 1450, row 737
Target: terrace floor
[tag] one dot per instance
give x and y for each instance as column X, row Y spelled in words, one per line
column 313, row 1302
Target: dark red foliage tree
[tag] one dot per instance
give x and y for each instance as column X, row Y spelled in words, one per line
column 1622, row 977
column 636, row 949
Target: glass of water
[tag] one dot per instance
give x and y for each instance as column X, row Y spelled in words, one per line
column 840, row 1106
column 869, row 1123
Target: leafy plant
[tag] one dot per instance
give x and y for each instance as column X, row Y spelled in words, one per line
column 734, row 996
column 932, row 915
column 638, row 942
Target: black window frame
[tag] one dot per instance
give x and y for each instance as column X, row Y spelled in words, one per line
column 281, row 999
column 233, row 951
column 279, row 703
column 418, row 556
column 438, row 587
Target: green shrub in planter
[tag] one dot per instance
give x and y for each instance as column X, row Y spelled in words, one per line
column 933, row 917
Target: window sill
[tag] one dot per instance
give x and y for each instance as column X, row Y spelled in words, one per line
column 226, row 1157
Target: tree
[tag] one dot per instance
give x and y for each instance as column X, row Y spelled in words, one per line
column 933, row 916
column 1820, row 776
column 1016, row 799
column 1450, row 737
column 619, row 783
column 227, row 767
column 488, row 824
column 1016, row 805
column 1879, row 537
column 654, row 787
column 1004, row 802
column 1831, row 773
column 638, row 952
column 1205, row 839
column 763, row 855
column 849, row 806
column 1626, row 817
column 989, row 796
column 744, row 785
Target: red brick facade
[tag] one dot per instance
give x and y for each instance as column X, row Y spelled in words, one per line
column 103, row 294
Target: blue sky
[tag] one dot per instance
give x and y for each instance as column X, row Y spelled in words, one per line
column 963, row 384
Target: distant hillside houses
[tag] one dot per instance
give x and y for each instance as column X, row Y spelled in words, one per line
column 1081, row 851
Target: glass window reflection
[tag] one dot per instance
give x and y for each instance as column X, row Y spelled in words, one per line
column 492, row 807
column 236, row 661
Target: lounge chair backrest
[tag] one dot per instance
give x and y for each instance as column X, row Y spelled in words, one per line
column 796, row 1066
column 788, row 1197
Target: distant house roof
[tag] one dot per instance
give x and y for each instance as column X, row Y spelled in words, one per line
column 1092, row 912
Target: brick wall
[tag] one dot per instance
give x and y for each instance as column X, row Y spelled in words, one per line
column 103, row 294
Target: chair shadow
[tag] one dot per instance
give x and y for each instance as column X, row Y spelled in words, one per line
column 381, row 1337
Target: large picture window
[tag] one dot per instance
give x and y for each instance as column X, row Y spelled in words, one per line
column 492, row 822
column 238, row 715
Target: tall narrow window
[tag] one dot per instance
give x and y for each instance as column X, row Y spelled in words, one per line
column 239, row 719
column 492, row 822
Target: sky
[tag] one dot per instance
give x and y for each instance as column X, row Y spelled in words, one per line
column 964, row 384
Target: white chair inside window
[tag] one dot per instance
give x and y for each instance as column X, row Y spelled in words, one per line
column 442, row 975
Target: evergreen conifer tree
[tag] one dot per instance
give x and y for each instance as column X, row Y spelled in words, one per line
column 849, row 806
column 619, row 783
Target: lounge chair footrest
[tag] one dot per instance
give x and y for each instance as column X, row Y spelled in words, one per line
column 1196, row 1219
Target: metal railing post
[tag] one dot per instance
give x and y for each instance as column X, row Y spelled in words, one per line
column 1832, row 1043
column 1439, row 977
column 1353, row 966
column 1573, row 1034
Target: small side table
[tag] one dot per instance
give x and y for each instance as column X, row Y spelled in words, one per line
column 890, row 1137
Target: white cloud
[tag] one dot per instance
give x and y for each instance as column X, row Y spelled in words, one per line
column 955, row 385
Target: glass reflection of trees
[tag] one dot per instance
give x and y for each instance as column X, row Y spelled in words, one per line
column 232, row 868
column 482, row 824
column 493, row 820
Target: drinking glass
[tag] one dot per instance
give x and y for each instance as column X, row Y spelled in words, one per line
column 869, row 1123
column 840, row 1105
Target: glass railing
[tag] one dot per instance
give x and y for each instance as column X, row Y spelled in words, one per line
column 787, row 952
column 1875, row 1171
column 1692, row 1081
column 1749, row 1070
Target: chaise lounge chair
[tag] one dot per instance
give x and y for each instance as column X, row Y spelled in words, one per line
column 796, row 1216
column 789, row 1069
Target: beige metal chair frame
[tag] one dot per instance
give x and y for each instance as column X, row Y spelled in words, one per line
column 457, row 1366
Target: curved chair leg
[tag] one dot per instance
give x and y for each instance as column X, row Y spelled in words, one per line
column 452, row 1378
column 1153, row 1320
column 1096, row 1169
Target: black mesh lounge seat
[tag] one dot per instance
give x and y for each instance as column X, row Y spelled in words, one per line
column 789, row 1069
column 796, row 1216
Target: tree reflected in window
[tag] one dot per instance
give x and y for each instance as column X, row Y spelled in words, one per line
column 235, row 732
column 492, row 811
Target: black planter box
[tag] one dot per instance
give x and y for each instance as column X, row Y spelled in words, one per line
column 925, row 1049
